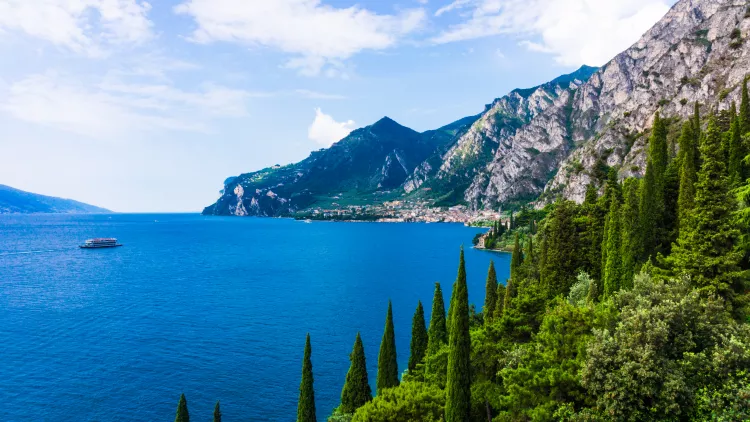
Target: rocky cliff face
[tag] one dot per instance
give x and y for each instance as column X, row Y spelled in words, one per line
column 451, row 173
column 697, row 52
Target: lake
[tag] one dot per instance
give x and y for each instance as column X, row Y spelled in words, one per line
column 214, row 307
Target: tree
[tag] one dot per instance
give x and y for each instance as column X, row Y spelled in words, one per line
column 631, row 242
column 182, row 410
column 419, row 338
column 438, row 333
column 688, row 173
column 499, row 302
column 306, row 404
column 593, row 232
column 356, row 391
column 516, row 259
column 707, row 247
column 490, row 294
column 613, row 265
column 458, row 387
column 652, row 193
column 560, row 261
column 737, row 153
column 217, row 412
column 412, row 401
column 387, row 363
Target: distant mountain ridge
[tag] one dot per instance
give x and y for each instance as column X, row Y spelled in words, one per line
column 533, row 144
column 15, row 201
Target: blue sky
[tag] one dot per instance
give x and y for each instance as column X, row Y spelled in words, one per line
column 148, row 107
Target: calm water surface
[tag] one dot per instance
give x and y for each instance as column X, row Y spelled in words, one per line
column 213, row 307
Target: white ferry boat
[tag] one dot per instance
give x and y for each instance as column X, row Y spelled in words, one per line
column 102, row 242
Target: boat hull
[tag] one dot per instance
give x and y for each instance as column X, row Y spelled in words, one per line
column 98, row 246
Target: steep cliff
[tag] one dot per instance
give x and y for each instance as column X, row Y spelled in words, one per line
column 447, row 176
column 697, row 52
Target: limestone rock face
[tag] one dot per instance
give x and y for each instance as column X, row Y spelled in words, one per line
column 697, row 52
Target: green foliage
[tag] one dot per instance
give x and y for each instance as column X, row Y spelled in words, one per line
column 561, row 261
column 706, row 250
column 387, row 361
column 668, row 343
column 652, row 193
column 745, row 109
column 306, row 403
column 217, row 412
column 516, row 259
column 688, row 143
column 182, row 410
column 437, row 335
column 737, row 152
column 458, row 385
column 579, row 292
column 631, row 234
column 544, row 374
column 419, row 338
column 413, row 401
column 499, row 302
column 613, row 265
column 356, row 391
column 490, row 294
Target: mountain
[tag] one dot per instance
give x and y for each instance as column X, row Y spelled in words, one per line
column 697, row 52
column 447, row 176
column 14, row 201
column 374, row 160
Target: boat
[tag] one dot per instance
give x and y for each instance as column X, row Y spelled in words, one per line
column 102, row 242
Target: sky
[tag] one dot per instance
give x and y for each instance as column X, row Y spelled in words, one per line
column 149, row 106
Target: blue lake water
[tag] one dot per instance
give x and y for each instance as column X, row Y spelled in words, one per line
column 217, row 308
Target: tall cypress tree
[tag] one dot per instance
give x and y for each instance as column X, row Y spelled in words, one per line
column 437, row 335
column 696, row 121
column 613, row 266
column 458, row 386
column 499, row 302
column 559, row 262
column 419, row 338
column 631, row 242
column 688, row 173
column 516, row 260
column 356, row 391
column 652, row 193
column 510, row 293
column 387, row 363
column 182, row 410
column 706, row 249
column 745, row 109
column 737, row 153
column 306, row 404
column 217, row 412
column 593, row 232
column 490, row 294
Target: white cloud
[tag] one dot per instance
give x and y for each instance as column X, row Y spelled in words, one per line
column 325, row 130
column 83, row 26
column 315, row 34
column 575, row 31
column 113, row 107
column 315, row 95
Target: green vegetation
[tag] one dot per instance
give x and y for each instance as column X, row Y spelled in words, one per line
column 217, row 412
column 356, row 390
column 306, row 403
column 387, row 362
column 418, row 346
column 182, row 410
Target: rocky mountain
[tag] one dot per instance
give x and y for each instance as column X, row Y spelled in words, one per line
column 374, row 159
column 14, row 201
column 697, row 52
column 532, row 144
column 447, row 176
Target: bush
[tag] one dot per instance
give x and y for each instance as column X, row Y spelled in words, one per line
column 411, row 401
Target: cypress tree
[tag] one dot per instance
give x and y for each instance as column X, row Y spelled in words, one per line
column 630, row 230
column 696, row 121
column 745, row 109
column 500, row 302
column 593, row 232
column 419, row 338
column 182, row 410
column 559, row 262
column 530, row 258
column 511, row 223
column 306, row 404
column 217, row 412
column 737, row 153
column 516, row 259
column 387, row 363
column 510, row 293
column 458, row 385
column 356, row 391
column 613, row 265
column 706, row 249
column 688, row 173
column 490, row 294
column 438, row 333
column 652, row 193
